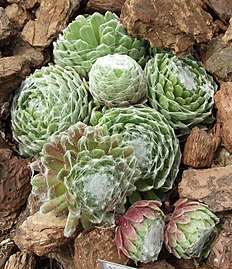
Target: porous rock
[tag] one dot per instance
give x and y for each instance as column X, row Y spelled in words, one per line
column 105, row 5
column 165, row 24
column 6, row 31
column 221, row 251
column 21, row 260
column 212, row 186
column 217, row 58
column 223, row 102
column 200, row 148
column 41, row 233
column 96, row 244
column 223, row 8
column 51, row 18
column 158, row 265
column 15, row 181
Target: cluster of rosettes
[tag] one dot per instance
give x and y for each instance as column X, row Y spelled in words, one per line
column 188, row 234
column 104, row 134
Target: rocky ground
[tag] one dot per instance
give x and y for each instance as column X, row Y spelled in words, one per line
column 27, row 30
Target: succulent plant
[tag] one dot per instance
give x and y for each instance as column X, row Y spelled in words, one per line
column 191, row 230
column 86, row 171
column 156, row 146
column 117, row 80
column 48, row 102
column 88, row 38
column 139, row 234
column 181, row 90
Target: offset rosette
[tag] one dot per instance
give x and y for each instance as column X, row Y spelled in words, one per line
column 117, row 80
column 156, row 146
column 191, row 230
column 88, row 38
column 181, row 90
column 48, row 102
column 86, row 172
column 140, row 231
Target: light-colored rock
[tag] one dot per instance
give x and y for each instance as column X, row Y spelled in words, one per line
column 41, row 233
column 211, row 186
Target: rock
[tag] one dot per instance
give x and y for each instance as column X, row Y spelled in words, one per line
column 3, row 143
column 7, row 221
column 221, row 252
column 13, row 70
column 105, row 5
column 211, row 186
column 223, row 8
column 15, row 181
column 6, row 248
column 36, row 58
column 223, row 102
column 21, row 260
column 222, row 158
column 18, row 15
column 51, row 18
column 217, row 59
column 6, row 31
column 165, row 24
column 64, row 256
column 27, row 4
column 158, row 265
column 228, row 34
column 200, row 148
column 96, row 244
column 41, row 233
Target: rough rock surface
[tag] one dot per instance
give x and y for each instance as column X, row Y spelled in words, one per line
column 6, row 248
column 51, row 17
column 200, row 148
column 64, row 255
column 13, row 70
column 21, row 260
column 165, row 24
column 105, row 5
column 158, row 265
column 221, row 253
column 212, row 186
column 6, row 30
column 41, row 233
column 223, row 102
column 15, row 181
column 217, row 58
column 18, row 15
column 96, row 244
column 7, row 221
column 223, row 8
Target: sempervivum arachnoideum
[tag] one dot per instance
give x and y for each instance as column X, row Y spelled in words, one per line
column 181, row 90
column 48, row 102
column 140, row 231
column 156, row 146
column 190, row 230
column 86, row 171
column 88, row 38
column 117, row 80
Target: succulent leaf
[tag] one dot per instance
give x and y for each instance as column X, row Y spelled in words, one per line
column 156, row 146
column 88, row 38
column 88, row 174
column 191, row 230
column 139, row 234
column 181, row 90
column 48, row 102
column 117, row 80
